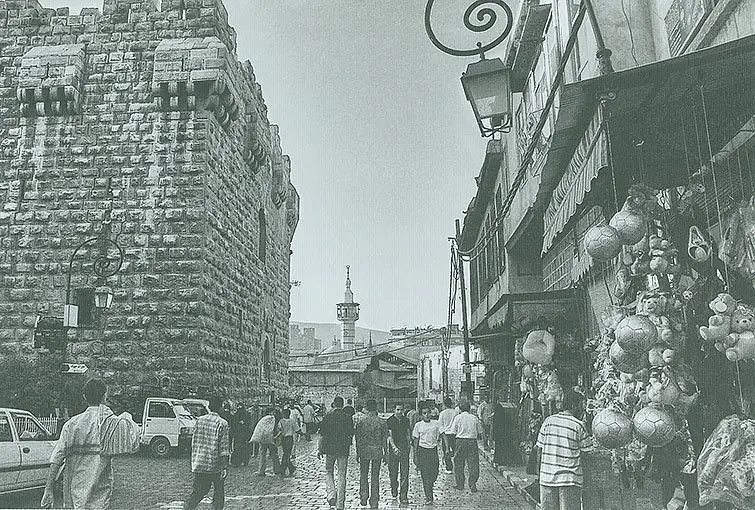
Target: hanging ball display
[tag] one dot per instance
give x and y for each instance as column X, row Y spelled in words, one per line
column 626, row 361
column 630, row 226
column 636, row 333
column 654, row 427
column 612, row 428
column 539, row 347
column 603, row 242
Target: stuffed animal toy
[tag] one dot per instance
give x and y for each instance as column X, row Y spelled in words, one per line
column 740, row 343
column 719, row 324
column 638, row 257
column 653, row 306
column 660, row 254
column 610, row 318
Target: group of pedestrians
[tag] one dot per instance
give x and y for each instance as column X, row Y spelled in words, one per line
column 394, row 442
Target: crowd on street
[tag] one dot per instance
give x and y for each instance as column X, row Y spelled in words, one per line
column 231, row 436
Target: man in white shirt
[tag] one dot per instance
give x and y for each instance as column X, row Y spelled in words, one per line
column 466, row 428
column 485, row 414
column 308, row 417
column 445, row 419
column 425, row 435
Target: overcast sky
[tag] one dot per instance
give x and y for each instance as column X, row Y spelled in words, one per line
column 384, row 148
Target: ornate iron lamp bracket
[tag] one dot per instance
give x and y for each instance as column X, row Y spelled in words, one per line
column 486, row 20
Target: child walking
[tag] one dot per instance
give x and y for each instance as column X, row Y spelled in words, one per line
column 425, row 437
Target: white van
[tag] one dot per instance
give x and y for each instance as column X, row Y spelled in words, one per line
column 166, row 423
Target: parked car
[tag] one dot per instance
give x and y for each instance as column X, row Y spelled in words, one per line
column 166, row 424
column 196, row 406
column 25, row 449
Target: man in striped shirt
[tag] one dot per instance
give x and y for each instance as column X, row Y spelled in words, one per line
column 210, row 454
column 562, row 438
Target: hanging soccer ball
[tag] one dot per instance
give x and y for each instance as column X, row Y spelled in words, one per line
column 602, row 242
column 630, row 226
column 626, row 361
column 636, row 333
column 612, row 429
column 654, row 427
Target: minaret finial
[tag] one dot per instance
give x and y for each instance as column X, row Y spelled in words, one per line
column 348, row 279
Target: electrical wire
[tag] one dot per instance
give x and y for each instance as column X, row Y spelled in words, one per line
column 631, row 34
column 356, row 358
column 342, row 351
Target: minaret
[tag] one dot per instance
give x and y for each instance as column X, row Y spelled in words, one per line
column 348, row 314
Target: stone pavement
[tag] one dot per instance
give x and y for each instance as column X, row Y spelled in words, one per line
column 306, row 489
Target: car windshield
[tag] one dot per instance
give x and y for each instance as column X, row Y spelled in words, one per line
column 182, row 413
column 195, row 408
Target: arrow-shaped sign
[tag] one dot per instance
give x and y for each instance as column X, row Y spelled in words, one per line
column 73, row 368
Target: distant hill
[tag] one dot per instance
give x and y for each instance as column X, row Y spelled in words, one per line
column 325, row 332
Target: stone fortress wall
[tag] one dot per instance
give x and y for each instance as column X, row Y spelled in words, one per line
column 139, row 123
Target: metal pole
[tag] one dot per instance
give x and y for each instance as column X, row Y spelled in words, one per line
column 467, row 367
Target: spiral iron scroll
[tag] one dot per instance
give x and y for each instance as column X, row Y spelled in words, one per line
column 103, row 265
column 487, row 18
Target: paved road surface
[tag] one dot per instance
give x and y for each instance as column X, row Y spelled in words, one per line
column 147, row 483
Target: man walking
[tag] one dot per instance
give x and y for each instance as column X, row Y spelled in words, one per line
column 445, row 418
column 209, row 457
column 287, row 427
column 336, row 430
column 308, row 417
column 265, row 434
column 88, row 473
column 426, row 434
column 241, row 432
column 370, row 434
column 466, row 428
column 485, row 414
column 562, row 438
column 399, row 441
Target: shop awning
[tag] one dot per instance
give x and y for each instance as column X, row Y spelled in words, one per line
column 485, row 188
column 590, row 157
column 661, row 114
column 527, row 43
column 522, row 311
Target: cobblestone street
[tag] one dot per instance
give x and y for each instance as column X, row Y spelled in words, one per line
column 146, row 483
column 149, row 483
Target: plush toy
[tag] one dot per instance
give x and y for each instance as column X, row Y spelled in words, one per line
column 719, row 324
column 740, row 343
column 638, row 257
column 738, row 248
column 610, row 318
column 539, row 347
column 653, row 306
column 660, row 254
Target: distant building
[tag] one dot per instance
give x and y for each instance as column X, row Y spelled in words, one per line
column 303, row 340
column 348, row 314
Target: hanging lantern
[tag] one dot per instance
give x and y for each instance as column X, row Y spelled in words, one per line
column 626, row 361
column 612, row 428
column 539, row 347
column 603, row 242
column 636, row 333
column 630, row 226
column 654, row 427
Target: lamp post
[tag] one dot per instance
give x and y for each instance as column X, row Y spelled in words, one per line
column 486, row 83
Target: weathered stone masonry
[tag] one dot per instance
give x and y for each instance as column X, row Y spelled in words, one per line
column 142, row 112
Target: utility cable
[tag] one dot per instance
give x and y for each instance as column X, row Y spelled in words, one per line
column 342, row 351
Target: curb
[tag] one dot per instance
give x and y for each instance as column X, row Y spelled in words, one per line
column 517, row 482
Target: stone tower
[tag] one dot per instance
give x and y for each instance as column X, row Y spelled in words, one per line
column 348, row 314
column 138, row 122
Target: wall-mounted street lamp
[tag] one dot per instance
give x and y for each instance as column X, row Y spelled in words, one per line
column 486, row 83
column 108, row 262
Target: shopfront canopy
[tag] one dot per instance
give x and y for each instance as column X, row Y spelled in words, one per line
column 668, row 119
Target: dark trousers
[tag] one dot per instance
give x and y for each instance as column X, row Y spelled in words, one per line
column 369, row 481
column 271, row 450
column 466, row 453
column 242, row 450
column 202, row 483
column 288, row 445
column 447, row 443
column 427, row 462
column 399, row 465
